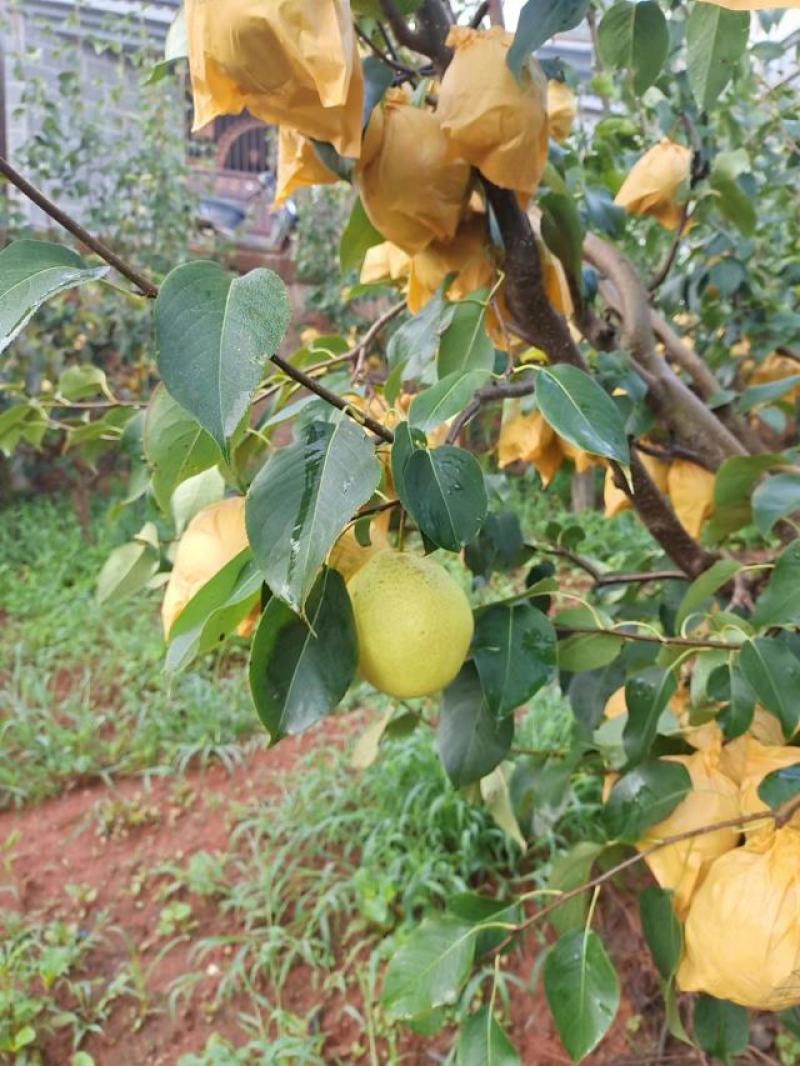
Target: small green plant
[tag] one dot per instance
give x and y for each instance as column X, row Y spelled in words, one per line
column 41, row 988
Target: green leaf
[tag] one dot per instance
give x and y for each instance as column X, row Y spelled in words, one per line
column 562, row 232
column 716, row 40
column 214, row 334
column 732, row 488
column 582, row 412
column 193, row 494
column 733, row 201
column 129, row 568
column 378, row 76
column 588, row 651
column 759, row 395
column 661, row 928
column 446, row 495
column 720, row 1028
column 300, row 670
column 780, row 786
column 406, row 442
column 30, row 273
column 430, row 968
column 736, row 716
column 214, row 612
column 644, row 797
column 302, row 499
column 703, row 587
column 569, row 871
column 538, row 21
column 779, row 603
column 80, row 382
column 582, row 991
column 515, row 655
column 634, row 37
column 773, row 672
column 358, row 237
column 464, row 343
column 483, row 1043
column 492, row 915
column 176, row 47
column 414, row 345
column 470, row 740
column 175, row 446
column 778, row 496
column 647, row 693
column 446, row 398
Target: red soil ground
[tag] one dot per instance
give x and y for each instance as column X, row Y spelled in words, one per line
column 59, row 845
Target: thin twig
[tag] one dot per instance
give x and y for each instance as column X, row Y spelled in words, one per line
column 388, row 60
column 779, row 818
column 674, row 451
column 500, row 390
column 480, row 15
column 358, row 352
column 335, row 401
column 143, row 284
column 640, row 579
column 679, row 642
column 662, row 273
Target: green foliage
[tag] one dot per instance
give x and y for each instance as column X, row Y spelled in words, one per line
column 687, row 646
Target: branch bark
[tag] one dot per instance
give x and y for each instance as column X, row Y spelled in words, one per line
column 533, row 317
column 694, row 425
column 661, row 520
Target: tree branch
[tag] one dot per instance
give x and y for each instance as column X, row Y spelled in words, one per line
column 335, row 401
column 499, row 390
column 779, row 818
column 433, row 23
column 660, row 519
column 533, row 316
column 694, row 424
column 649, row 638
column 662, row 273
column 143, row 284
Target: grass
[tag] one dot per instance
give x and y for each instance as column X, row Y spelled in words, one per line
column 84, row 689
column 43, row 987
column 331, row 877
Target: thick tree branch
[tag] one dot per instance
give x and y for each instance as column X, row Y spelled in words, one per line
column 683, row 355
column 142, row 283
column 661, row 520
column 693, row 424
column 533, row 316
column 432, row 25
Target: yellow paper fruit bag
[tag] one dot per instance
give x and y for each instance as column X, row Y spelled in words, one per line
column 291, row 63
column 299, row 166
column 384, row 262
column 747, row 761
column 742, row 935
column 496, row 123
column 529, row 439
column 691, row 492
column 213, row 537
column 652, row 184
column 411, row 190
column 615, row 499
column 468, row 256
column 713, row 798
column 562, row 107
